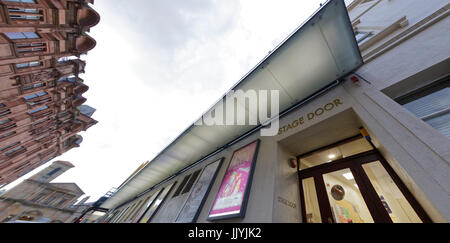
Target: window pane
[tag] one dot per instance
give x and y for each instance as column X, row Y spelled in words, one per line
column 189, row 185
column 346, row 201
column 441, row 123
column 180, row 187
column 21, row 35
column 21, row 1
column 15, row 35
column 430, row 104
column 362, row 37
column 156, row 204
column 311, row 201
column 434, row 109
column 393, row 200
column 147, row 205
column 339, row 152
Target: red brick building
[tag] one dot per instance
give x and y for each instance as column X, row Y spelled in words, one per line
column 40, row 91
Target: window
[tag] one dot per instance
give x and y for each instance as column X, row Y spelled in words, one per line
column 18, row 13
column 37, row 110
column 38, row 197
column 186, row 184
column 40, row 94
column 432, row 105
column 21, row 35
column 61, row 203
column 23, row 10
column 9, row 146
column 5, row 121
column 14, row 150
column 49, row 200
column 7, row 135
column 21, row 1
column 178, row 191
column 28, row 64
column 191, row 182
column 337, row 151
column 53, row 171
column 44, row 137
column 67, row 79
column 30, row 47
column 362, row 37
column 34, row 86
column 7, row 126
column 4, row 111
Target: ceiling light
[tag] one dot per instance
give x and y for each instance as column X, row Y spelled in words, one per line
column 348, row 176
column 332, row 156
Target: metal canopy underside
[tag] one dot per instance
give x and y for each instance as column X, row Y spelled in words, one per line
column 319, row 52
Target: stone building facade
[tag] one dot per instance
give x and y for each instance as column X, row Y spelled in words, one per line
column 38, row 200
column 40, row 89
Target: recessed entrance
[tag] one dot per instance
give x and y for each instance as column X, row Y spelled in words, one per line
column 350, row 182
column 343, row 178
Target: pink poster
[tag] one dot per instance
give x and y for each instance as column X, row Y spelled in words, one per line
column 229, row 200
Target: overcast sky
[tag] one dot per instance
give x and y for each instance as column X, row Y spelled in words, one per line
column 158, row 66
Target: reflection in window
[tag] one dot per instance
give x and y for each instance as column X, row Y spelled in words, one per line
column 155, row 205
column 4, row 121
column 390, row 195
column 54, row 171
column 362, row 37
column 189, row 185
column 145, row 205
column 180, row 187
column 21, row 1
column 21, row 35
column 38, row 197
column 346, row 201
column 30, row 47
column 37, row 110
column 18, row 13
column 14, row 150
column 38, row 85
column 311, row 201
column 61, row 203
column 28, row 64
column 67, row 79
column 39, row 94
column 432, row 105
column 344, row 150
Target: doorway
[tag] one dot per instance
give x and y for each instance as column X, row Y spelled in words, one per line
column 351, row 182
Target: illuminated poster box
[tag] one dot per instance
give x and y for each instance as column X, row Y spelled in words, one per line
column 191, row 209
column 231, row 200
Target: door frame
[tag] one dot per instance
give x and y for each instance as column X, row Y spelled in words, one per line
column 370, row 196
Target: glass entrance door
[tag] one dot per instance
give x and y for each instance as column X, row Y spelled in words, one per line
column 360, row 188
column 346, row 201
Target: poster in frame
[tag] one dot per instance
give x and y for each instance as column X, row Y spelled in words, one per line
column 232, row 198
column 145, row 206
column 196, row 199
column 151, row 211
